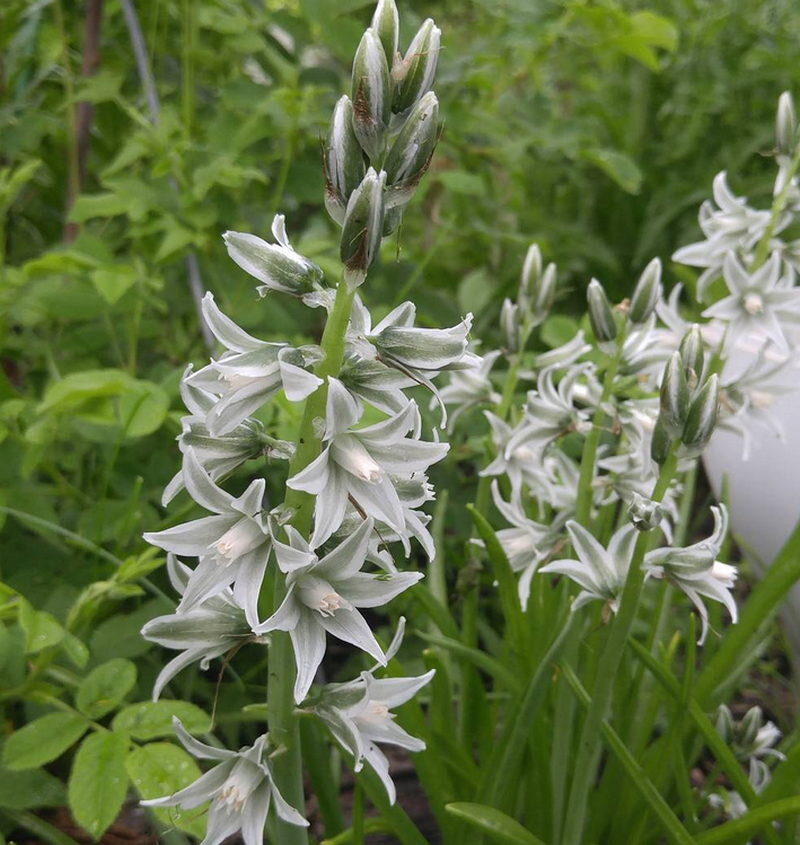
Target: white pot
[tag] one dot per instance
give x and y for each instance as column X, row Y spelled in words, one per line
column 763, row 490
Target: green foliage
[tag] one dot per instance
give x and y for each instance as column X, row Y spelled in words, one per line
column 153, row 719
column 105, row 687
column 43, row 740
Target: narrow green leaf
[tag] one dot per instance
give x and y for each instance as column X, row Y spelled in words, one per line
column 98, row 781
column 39, row 827
column 30, row 789
column 741, row 829
column 727, row 664
column 161, row 769
column 478, row 658
column 43, row 740
column 152, row 719
column 496, row 825
column 105, row 687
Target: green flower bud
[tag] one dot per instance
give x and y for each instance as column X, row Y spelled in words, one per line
column 411, row 153
column 661, row 442
column 343, row 161
column 702, row 417
column 531, row 271
column 509, row 323
column 723, row 722
column 544, row 292
column 362, row 229
column 386, row 23
column 647, row 292
column 749, row 726
column 674, row 396
column 645, row 514
column 786, row 125
column 601, row 316
column 371, row 94
column 414, row 75
column 692, row 355
column 391, row 220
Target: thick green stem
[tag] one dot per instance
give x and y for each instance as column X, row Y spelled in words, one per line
column 283, row 722
column 590, row 740
column 778, row 204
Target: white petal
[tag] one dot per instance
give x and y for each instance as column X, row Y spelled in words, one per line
column 377, row 760
column 351, row 627
column 196, row 748
column 191, row 538
column 201, row 488
column 225, row 330
column 348, row 557
column 315, row 477
column 308, row 642
column 196, row 793
column 254, row 814
column 342, row 410
column 330, row 507
column 367, row 590
column 298, row 384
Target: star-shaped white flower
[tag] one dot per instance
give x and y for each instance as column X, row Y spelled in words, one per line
column 600, row 572
column 250, row 372
column 759, row 302
column 358, row 464
column 358, row 715
column 323, row 597
column 233, row 545
column 240, row 787
column 210, row 629
column 696, row 571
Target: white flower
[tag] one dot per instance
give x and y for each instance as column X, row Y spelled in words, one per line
column 217, row 455
column 358, row 464
column 323, row 596
column 208, row 630
column 696, row 571
column 358, row 715
column 250, row 372
column 278, row 266
column 758, row 302
column 600, row 572
column 233, row 545
column 240, row 788
column 469, row 387
column 732, row 226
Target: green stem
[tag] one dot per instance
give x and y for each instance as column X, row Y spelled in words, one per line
column 283, row 721
column 583, row 505
column 590, row 739
column 778, row 204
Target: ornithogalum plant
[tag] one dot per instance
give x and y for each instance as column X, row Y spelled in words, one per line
column 551, row 685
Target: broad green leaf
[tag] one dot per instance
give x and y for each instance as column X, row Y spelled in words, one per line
column 160, row 769
column 42, row 630
column 496, row 825
column 558, row 329
column 75, row 650
column 112, row 282
column 176, row 238
column 43, row 740
column 98, row 781
column 73, row 390
column 27, row 790
column 618, row 166
column 105, row 687
column 475, row 291
column 151, row 719
column 655, row 29
column 88, row 206
column 143, row 408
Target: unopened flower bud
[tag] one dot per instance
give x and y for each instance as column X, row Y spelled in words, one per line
column 674, row 396
column 391, row 219
column 362, row 228
column 647, row 292
column 692, row 355
column 531, row 271
column 749, row 726
column 278, row 266
column 411, row 153
column 786, row 125
column 702, row 417
column 601, row 316
column 386, row 23
column 723, row 722
column 645, row 514
column 661, row 442
column 509, row 323
column 344, row 160
column 372, row 94
column 543, row 294
column 414, row 75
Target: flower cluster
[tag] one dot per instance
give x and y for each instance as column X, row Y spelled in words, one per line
column 362, row 484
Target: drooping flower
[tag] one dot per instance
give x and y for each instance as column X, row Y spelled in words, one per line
column 600, row 572
column 241, row 789
column 233, row 545
column 279, row 266
column 358, row 464
column 324, row 596
column 208, row 630
column 469, row 387
column 250, row 372
column 696, row 571
column 358, row 715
